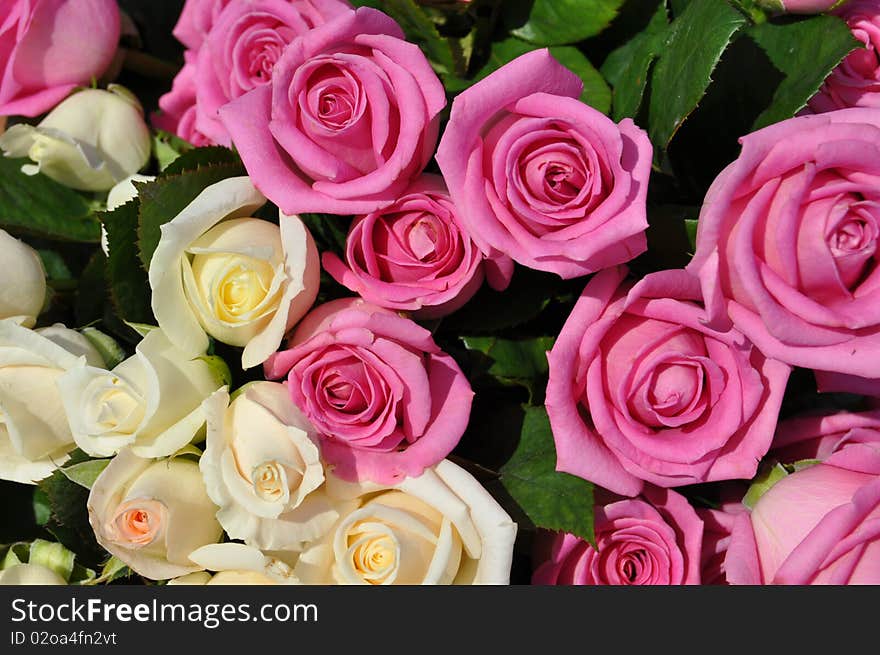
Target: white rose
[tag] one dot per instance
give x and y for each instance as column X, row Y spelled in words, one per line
column 440, row 528
column 152, row 514
column 236, row 564
column 217, row 271
column 262, row 467
column 35, row 437
column 90, row 141
column 30, row 574
column 23, row 290
column 150, row 401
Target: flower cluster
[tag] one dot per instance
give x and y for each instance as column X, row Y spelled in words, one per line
column 241, row 416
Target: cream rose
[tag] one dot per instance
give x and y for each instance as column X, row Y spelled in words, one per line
column 440, row 528
column 152, row 514
column 244, row 281
column 236, row 564
column 23, row 291
column 90, row 141
column 262, row 467
column 151, row 401
column 35, row 437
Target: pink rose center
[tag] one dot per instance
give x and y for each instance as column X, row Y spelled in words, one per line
column 422, row 239
column 138, row 522
column 257, row 51
column 555, row 173
column 852, row 242
column 334, row 97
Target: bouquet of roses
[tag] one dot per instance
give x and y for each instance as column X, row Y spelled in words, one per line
column 331, row 292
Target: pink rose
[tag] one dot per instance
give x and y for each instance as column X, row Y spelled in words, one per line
column 196, row 20
column 818, row 436
column 717, row 527
column 815, row 526
column 51, row 46
column 542, row 177
column 641, row 389
column 178, row 115
column 413, row 255
column 386, row 400
column 787, row 242
column 650, row 540
column 350, row 118
column 856, row 80
column 242, row 47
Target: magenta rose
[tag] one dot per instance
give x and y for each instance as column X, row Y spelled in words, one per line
column 641, row 389
column 542, row 177
column 787, row 242
column 654, row 539
column 856, row 80
column 242, row 47
column 49, row 47
column 349, row 119
column 413, row 255
column 178, row 115
column 196, row 19
column 818, row 525
column 385, row 399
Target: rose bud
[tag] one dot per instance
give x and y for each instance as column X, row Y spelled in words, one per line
column 51, row 46
column 35, row 437
column 30, row 574
column 23, row 291
column 152, row 514
column 440, row 528
column 262, row 468
column 91, row 141
column 218, row 271
column 150, row 401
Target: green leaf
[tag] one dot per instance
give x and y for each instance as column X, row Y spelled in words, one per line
column 198, row 157
column 421, row 30
column 113, row 569
column 690, row 225
column 109, row 349
column 165, row 197
column 550, row 499
column 168, row 147
column 56, row 267
column 696, row 40
column 521, row 361
column 765, row 479
column 42, row 511
column 559, row 22
column 85, row 473
column 805, row 51
column 69, row 519
column 627, row 67
column 129, row 287
column 596, row 92
column 40, row 206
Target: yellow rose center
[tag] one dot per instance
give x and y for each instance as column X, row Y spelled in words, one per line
column 270, row 481
column 237, row 286
column 374, row 552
